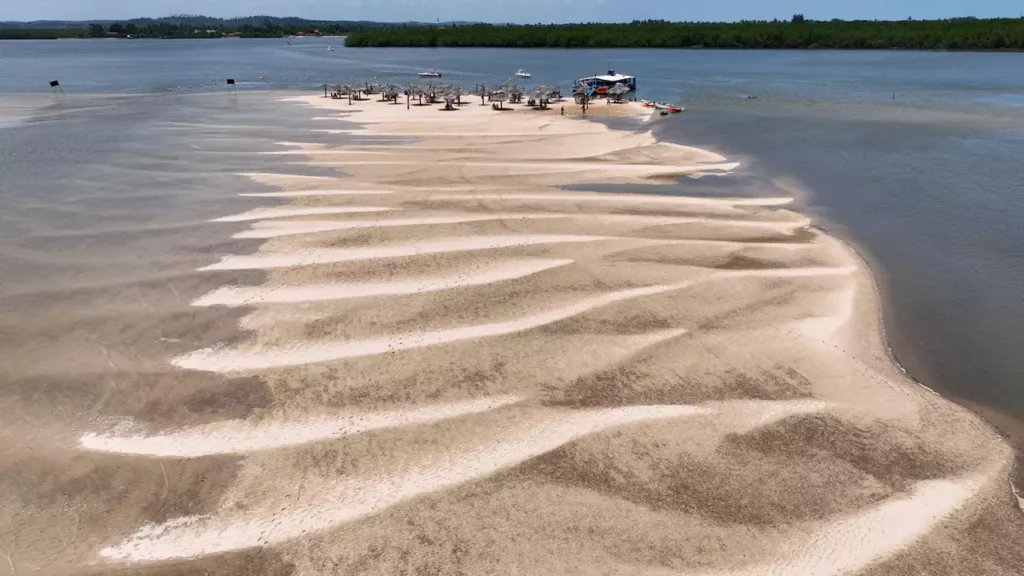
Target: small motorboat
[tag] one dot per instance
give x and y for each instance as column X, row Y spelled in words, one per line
column 330, row 48
column 667, row 107
column 522, row 73
column 430, row 74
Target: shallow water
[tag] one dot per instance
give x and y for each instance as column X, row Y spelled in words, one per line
column 916, row 155
column 913, row 156
column 932, row 200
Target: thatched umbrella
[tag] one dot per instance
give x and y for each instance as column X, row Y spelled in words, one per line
column 391, row 92
column 500, row 96
column 515, row 93
column 618, row 91
column 415, row 91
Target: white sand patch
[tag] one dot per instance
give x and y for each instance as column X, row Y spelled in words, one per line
column 445, row 134
column 1017, row 495
column 276, row 229
column 778, row 225
column 824, row 329
column 324, row 151
column 489, row 274
column 249, row 357
column 700, row 154
column 329, row 255
column 339, row 131
column 301, row 193
column 356, row 497
column 288, row 211
column 624, row 198
column 270, row 176
column 535, row 166
column 240, row 436
column 851, row 544
column 272, row 229
column 791, row 272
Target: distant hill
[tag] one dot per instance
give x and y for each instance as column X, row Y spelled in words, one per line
column 194, row 26
column 210, row 22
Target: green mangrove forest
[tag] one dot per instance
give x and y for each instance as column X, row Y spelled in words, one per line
column 796, row 33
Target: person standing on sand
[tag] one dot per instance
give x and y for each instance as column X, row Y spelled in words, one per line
column 563, row 109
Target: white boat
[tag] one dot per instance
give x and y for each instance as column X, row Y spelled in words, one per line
column 430, row 74
column 602, row 83
column 522, row 73
column 330, row 48
column 667, row 107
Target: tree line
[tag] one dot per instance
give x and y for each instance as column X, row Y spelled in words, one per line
column 182, row 27
column 795, row 33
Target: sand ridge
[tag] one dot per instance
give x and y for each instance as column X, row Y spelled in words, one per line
column 455, row 367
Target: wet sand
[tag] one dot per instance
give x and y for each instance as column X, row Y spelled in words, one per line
column 447, row 364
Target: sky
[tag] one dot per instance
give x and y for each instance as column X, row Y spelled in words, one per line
column 519, row 11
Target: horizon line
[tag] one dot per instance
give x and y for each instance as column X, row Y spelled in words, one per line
column 451, row 21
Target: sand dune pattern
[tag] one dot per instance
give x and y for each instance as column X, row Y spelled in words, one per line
column 472, row 371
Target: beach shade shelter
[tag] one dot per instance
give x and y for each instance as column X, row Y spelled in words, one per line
column 533, row 97
column 581, row 93
column 549, row 94
column 618, row 91
column 515, row 93
column 499, row 96
column 392, row 93
column 452, row 94
column 416, row 91
column 433, row 91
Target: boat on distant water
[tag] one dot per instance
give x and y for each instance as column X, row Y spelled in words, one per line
column 430, row 74
column 602, row 83
column 522, row 73
column 330, row 48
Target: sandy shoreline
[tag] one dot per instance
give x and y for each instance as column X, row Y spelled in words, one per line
column 470, row 370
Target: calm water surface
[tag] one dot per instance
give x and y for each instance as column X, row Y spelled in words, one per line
column 916, row 158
